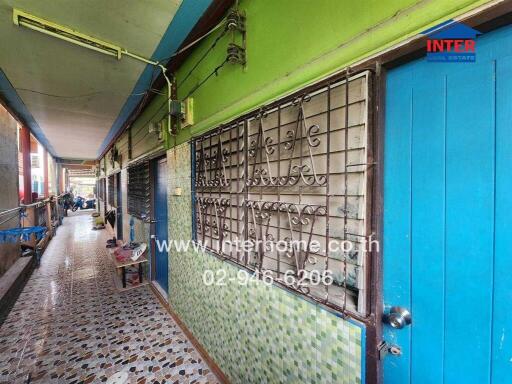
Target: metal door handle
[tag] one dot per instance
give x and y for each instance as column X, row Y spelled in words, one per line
column 398, row 317
column 148, row 220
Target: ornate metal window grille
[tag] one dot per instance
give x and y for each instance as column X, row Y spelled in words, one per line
column 296, row 170
column 139, row 190
column 111, row 190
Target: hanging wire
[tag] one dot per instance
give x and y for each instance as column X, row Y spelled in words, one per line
column 202, row 82
column 166, row 61
column 212, row 46
column 143, row 101
column 142, row 138
column 152, row 90
column 191, row 44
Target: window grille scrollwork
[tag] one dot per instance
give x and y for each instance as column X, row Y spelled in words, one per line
column 289, row 179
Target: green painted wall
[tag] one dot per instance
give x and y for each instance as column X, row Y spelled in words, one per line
column 291, row 43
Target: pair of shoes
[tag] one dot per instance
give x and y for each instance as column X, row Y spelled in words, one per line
column 112, row 243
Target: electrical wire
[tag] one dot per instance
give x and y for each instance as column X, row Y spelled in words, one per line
column 148, row 89
column 145, row 94
column 142, row 138
column 142, row 102
column 199, row 85
column 167, row 59
column 84, row 95
column 157, row 111
column 58, row 96
column 191, row 44
column 194, row 67
column 202, row 82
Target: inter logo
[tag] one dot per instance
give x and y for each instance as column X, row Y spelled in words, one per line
column 451, row 41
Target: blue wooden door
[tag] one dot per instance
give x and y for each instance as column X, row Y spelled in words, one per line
column 447, row 217
column 161, row 227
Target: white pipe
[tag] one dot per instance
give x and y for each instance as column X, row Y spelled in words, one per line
column 140, row 58
column 164, row 72
column 169, row 85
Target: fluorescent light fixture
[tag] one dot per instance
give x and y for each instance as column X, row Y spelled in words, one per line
column 27, row 20
column 35, row 23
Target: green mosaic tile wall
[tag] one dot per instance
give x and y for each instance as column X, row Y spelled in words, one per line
column 255, row 333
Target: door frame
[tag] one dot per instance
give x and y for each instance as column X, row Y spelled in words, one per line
column 119, row 205
column 151, row 221
column 487, row 20
column 153, row 161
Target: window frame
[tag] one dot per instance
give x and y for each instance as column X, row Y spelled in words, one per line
column 101, row 193
column 368, row 188
column 138, row 199
column 112, row 190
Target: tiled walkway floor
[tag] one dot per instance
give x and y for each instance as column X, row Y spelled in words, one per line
column 71, row 325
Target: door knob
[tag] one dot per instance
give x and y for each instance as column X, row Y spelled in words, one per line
column 147, row 219
column 398, row 317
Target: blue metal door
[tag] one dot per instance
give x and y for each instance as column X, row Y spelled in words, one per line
column 161, row 227
column 447, row 227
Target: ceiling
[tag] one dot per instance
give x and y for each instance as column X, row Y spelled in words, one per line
column 72, row 96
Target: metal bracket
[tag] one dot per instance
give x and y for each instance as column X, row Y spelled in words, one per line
column 236, row 54
column 235, row 21
column 384, row 349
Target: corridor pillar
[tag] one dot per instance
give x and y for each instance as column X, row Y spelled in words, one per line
column 27, row 166
column 46, row 190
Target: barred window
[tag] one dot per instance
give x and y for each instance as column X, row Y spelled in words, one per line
column 101, row 188
column 291, row 179
column 139, row 190
column 111, row 190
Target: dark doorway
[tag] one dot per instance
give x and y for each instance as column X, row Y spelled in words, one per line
column 159, row 168
column 119, row 207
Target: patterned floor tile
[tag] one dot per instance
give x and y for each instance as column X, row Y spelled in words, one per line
column 70, row 324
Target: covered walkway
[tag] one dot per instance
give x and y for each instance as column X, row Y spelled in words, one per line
column 298, row 192
column 71, row 325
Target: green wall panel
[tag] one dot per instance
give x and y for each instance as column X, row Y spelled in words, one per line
column 291, row 43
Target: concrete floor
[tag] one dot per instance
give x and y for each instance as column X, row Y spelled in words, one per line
column 71, row 325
